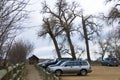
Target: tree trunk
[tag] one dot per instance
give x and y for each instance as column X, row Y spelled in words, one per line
column 86, row 39
column 71, row 45
column 56, row 46
column 103, row 55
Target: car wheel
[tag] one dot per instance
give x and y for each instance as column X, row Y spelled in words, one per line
column 102, row 64
column 58, row 72
column 117, row 65
column 108, row 64
column 83, row 72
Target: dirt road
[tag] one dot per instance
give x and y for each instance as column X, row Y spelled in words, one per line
column 32, row 73
column 99, row 73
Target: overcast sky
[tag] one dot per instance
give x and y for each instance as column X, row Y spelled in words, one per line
column 43, row 47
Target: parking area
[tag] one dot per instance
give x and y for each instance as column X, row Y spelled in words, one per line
column 98, row 73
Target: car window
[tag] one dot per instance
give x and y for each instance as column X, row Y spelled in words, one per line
column 77, row 64
column 69, row 64
column 58, row 63
column 115, row 59
column 107, row 59
column 84, row 63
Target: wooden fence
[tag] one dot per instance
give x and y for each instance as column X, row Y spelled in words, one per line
column 47, row 76
column 13, row 72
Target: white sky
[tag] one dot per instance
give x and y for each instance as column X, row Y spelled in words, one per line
column 45, row 48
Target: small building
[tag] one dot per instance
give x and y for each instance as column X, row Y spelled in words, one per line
column 33, row 59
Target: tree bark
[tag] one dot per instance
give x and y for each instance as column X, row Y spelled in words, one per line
column 56, row 45
column 71, row 46
column 86, row 39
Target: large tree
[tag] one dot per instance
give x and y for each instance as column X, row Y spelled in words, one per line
column 65, row 14
column 89, row 29
column 50, row 27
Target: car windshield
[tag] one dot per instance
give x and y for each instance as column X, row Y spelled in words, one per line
column 46, row 61
column 58, row 63
column 64, row 63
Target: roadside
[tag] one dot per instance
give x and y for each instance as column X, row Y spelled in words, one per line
column 32, row 73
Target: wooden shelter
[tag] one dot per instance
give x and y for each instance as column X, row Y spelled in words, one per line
column 33, row 59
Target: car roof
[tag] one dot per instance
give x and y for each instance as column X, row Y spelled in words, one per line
column 76, row 61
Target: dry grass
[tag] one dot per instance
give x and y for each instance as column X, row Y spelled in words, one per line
column 99, row 73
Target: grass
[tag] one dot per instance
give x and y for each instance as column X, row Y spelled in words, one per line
column 2, row 73
column 25, row 73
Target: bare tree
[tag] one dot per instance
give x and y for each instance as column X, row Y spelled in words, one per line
column 19, row 50
column 114, row 17
column 114, row 14
column 103, row 45
column 90, row 29
column 65, row 14
column 110, row 44
column 114, row 42
column 11, row 14
column 50, row 27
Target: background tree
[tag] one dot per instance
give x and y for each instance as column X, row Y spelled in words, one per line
column 114, row 17
column 103, row 46
column 114, row 42
column 114, row 14
column 12, row 12
column 19, row 51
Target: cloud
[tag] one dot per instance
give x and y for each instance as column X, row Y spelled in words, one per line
column 46, row 48
column 44, row 52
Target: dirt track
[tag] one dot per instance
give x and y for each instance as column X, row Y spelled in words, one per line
column 99, row 73
column 32, row 73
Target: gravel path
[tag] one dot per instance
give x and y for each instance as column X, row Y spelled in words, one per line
column 32, row 73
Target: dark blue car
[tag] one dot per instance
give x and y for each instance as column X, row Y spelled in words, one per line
column 110, row 62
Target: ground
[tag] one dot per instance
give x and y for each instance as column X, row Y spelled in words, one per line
column 32, row 73
column 99, row 73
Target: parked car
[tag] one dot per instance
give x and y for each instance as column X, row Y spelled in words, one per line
column 53, row 62
column 110, row 62
column 72, row 66
column 60, row 61
column 44, row 63
column 65, row 58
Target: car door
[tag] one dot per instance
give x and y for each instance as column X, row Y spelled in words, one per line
column 67, row 68
column 76, row 66
column 72, row 67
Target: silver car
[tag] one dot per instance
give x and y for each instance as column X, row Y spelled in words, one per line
column 75, row 66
